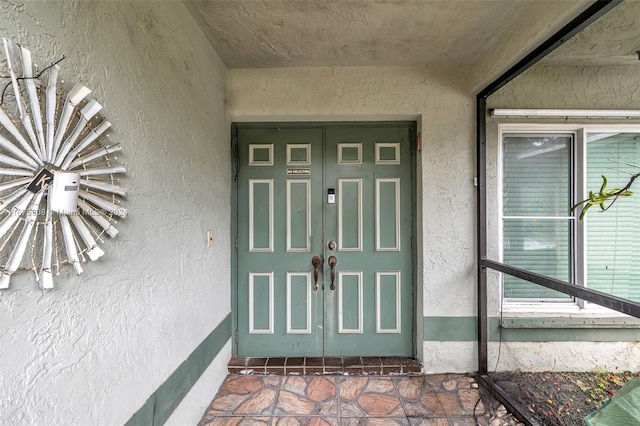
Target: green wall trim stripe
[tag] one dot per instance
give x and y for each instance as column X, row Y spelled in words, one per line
column 463, row 329
column 157, row 409
column 450, row 329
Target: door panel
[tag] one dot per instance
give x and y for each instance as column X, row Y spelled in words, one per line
column 363, row 305
column 279, row 209
column 371, row 310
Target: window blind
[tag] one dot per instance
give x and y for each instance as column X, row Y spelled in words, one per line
column 613, row 237
column 536, row 201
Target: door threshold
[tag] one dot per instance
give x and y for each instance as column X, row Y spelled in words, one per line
column 351, row 366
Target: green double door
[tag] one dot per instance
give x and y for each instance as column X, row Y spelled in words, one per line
column 324, row 249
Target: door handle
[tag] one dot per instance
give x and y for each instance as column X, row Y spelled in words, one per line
column 333, row 261
column 316, row 261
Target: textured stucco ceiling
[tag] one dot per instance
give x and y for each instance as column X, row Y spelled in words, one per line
column 611, row 40
column 281, row 33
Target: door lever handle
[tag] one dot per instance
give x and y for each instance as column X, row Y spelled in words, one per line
column 333, row 261
column 316, row 261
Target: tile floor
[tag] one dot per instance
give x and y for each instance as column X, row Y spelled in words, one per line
column 355, row 365
column 279, row 400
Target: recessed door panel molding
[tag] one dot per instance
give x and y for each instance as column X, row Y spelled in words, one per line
column 388, row 214
column 388, row 302
column 261, row 154
column 350, row 302
column 298, row 215
column 298, row 305
column 261, row 215
column 261, row 298
column 387, row 153
column 350, row 214
column 350, row 153
column 298, row 154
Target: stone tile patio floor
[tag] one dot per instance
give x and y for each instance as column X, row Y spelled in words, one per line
column 435, row 400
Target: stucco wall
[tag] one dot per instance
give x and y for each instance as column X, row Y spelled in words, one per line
column 544, row 86
column 437, row 99
column 92, row 350
column 589, row 87
column 541, row 20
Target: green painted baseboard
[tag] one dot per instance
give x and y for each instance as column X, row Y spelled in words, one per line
column 464, row 329
column 157, row 409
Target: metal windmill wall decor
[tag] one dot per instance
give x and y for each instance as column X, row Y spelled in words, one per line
column 58, row 177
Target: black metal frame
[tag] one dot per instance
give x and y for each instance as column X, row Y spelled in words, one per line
column 619, row 304
column 592, row 13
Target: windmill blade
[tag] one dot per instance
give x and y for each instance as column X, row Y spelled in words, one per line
column 93, row 251
column 14, row 183
column 24, row 115
column 15, row 213
column 104, row 186
column 15, row 172
column 6, row 144
column 6, row 122
column 45, row 279
column 98, row 218
column 70, row 244
column 75, row 96
column 95, row 154
column 34, row 101
column 105, row 171
column 104, row 204
column 7, row 201
column 52, row 107
column 10, row 161
column 18, row 251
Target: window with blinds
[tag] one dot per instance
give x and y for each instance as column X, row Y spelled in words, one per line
column 537, row 224
column 613, row 237
column 538, row 227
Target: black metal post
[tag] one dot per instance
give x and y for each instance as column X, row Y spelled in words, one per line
column 509, row 403
column 481, row 159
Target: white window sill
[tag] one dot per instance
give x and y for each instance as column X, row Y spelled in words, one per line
column 564, row 315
